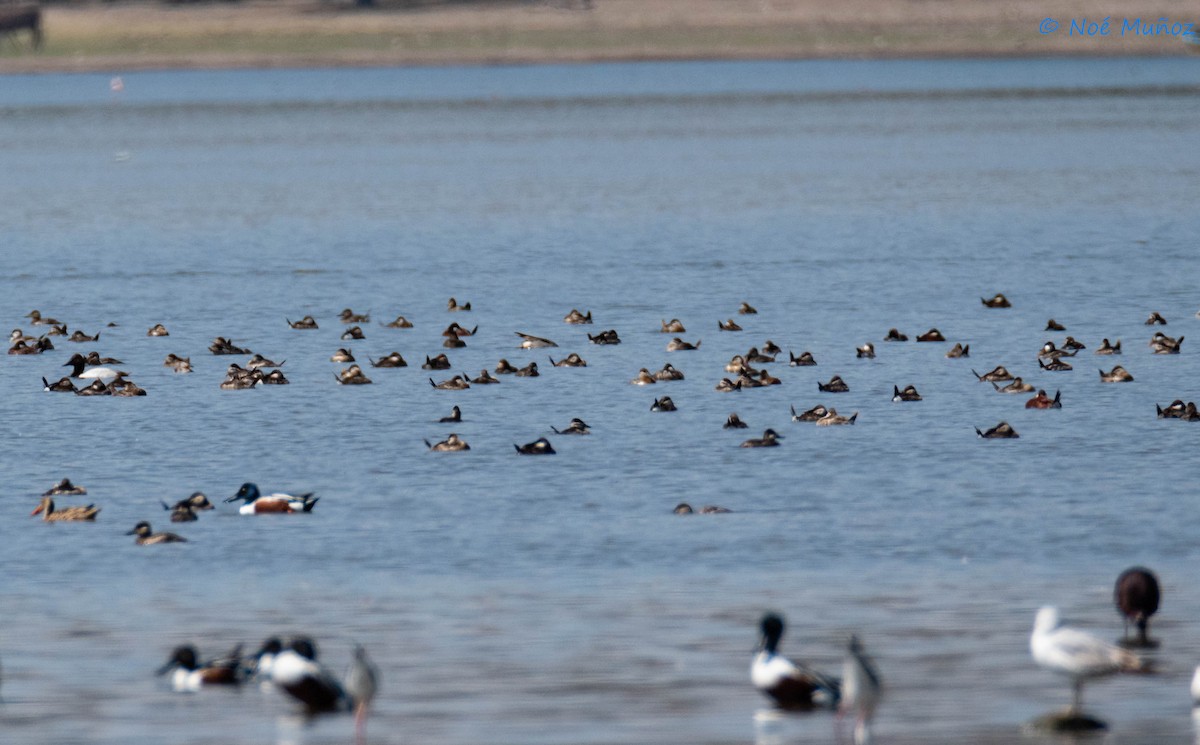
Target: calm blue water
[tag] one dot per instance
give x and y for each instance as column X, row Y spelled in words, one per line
column 559, row 600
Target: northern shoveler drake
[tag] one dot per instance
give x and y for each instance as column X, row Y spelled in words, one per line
column 861, row 690
column 64, row 488
column 295, row 671
column 1001, row 431
column 959, row 351
column 190, row 676
column 158, row 330
column 1106, row 348
column 1156, row 318
column 674, row 326
column 453, row 443
column 452, row 305
column 998, row 374
column 147, row 537
column 571, row 360
column 540, row 446
column 895, row 335
column 866, row 351
column 576, row 427
column 528, row 341
column 746, row 309
column 1136, row 595
column 50, row 514
column 349, row 316
column 454, row 416
column 835, row 385
column 392, row 360
column 770, row 438
column 733, row 421
column 663, row 404
column 729, row 325
column 256, row 503
column 931, row 335
column 78, row 362
column 834, row 419
column 1116, row 375
column 260, row 662
column 908, row 394
column 576, row 317
column 804, row 360
column 400, row 323
column 997, row 301
column 1043, row 401
column 679, row 345
column 308, row 322
column 790, row 685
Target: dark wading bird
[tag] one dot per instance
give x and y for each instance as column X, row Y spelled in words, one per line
column 1136, row 595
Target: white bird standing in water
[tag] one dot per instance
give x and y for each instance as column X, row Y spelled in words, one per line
column 362, row 681
column 1076, row 654
column 861, row 690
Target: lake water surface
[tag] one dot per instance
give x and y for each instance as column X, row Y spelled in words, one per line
column 559, row 600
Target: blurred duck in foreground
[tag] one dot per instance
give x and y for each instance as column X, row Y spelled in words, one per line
column 791, row 685
column 1136, row 596
column 189, row 675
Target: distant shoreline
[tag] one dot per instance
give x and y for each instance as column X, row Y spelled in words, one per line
column 113, row 37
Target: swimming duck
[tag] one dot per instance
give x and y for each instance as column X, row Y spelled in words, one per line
column 529, row 371
column 78, row 362
column 485, row 378
column 998, row 374
column 452, row 443
column 1136, row 595
column 62, row 385
column 540, row 446
column 1116, row 375
column 504, row 367
column 668, row 372
column 814, row 414
column 295, row 671
column 256, row 503
column 452, row 305
column 400, row 323
column 1043, row 401
column 529, row 341
column 308, row 322
column 908, row 394
column 18, row 335
column 258, row 361
column 1190, row 413
column 352, row 375
column 454, row 416
column 571, row 360
column 769, row 439
column 158, row 330
column 124, row 388
column 728, row 386
column 931, row 335
column 895, row 335
column 605, row 337
column 457, row 383
column 354, row 332
column 1163, row 344
column 190, row 676
column 866, row 351
column 97, row 388
column 576, row 427
column 455, row 330
column 833, row 419
column 441, row 362
column 674, row 326
column 1049, row 351
column 1156, row 318
column 734, row 422
column 679, row 345
column 804, row 360
column 178, row 364
column 1073, row 344
column 997, row 301
column 736, row 364
column 221, row 345
column 454, row 342
column 232, row 382
column 790, row 685
column 861, row 691
column 1174, row 410
column 1106, row 348
column 35, row 317
column 1055, row 365
column 93, row 359
column 754, row 355
column 1016, row 386
column 644, row 378
column 578, row 318
column 663, row 404
column 835, row 385
column 184, row 511
column 683, row 508
column 64, row 488
column 1002, row 430
column 771, row 348
column 959, row 351
column 275, row 377
column 22, row 347
column 392, row 360
column 50, row 514
column 59, row 330
column 766, row 378
column 1053, row 325
column 146, row 537
column 729, row 325
column 349, row 316
column 749, row 379
column 746, row 309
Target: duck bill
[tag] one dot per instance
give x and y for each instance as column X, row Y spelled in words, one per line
column 37, row 511
column 234, row 498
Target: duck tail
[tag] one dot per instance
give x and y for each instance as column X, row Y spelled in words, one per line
column 966, row 351
column 977, row 375
column 1057, row 403
column 978, row 432
column 853, row 417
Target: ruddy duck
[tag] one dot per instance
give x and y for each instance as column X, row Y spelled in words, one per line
column 1136, row 596
column 504, row 367
column 998, row 374
column 804, row 360
column 349, row 316
column 790, row 686
column 644, row 378
column 60, row 330
column 441, row 362
column 258, row 361
column 1174, row 410
column 1001, row 431
column 679, row 345
column 529, row 341
column 605, row 337
column 452, row 443
column 771, row 348
column 728, row 326
column 62, row 385
column 184, row 511
column 866, row 351
column 1053, row 325
column 126, row 388
column 1043, row 401
column 833, row 419
column 1055, row 365
column 342, row 355
column 400, row 323
column 485, row 378
column 454, row 342
column 455, row 330
column 571, row 360
column 727, row 386
column 64, row 488
column 908, row 394
column 1049, row 351
column 158, row 330
column 1163, row 344
column 190, row 676
column 766, row 378
column 1106, row 348
column 178, row 364
column 35, row 317
column 540, row 446
column 529, row 371
column 1156, row 318
column 275, row 377
column 959, row 351
column 354, row 332
column 1116, row 375
column 737, row 364
column 748, row 379
column 746, row 309
column 770, row 438
column 146, row 537
column 668, row 372
column 997, row 301
column 308, row 322
column 931, row 335
column 754, row 356
column 578, row 318
column 392, row 360
column 734, row 422
column 674, row 326
column 79, row 336
column 353, row 375
column 1073, row 344
column 256, row 503
column 49, row 514
column 576, row 427
column 97, row 388
column 221, row 345
column 814, row 414
column 1016, row 386
column 455, row 416
column 457, row 383
column 835, row 385
column 663, row 404
column 94, row 358
column 22, row 347
column 895, row 335
column 452, row 305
